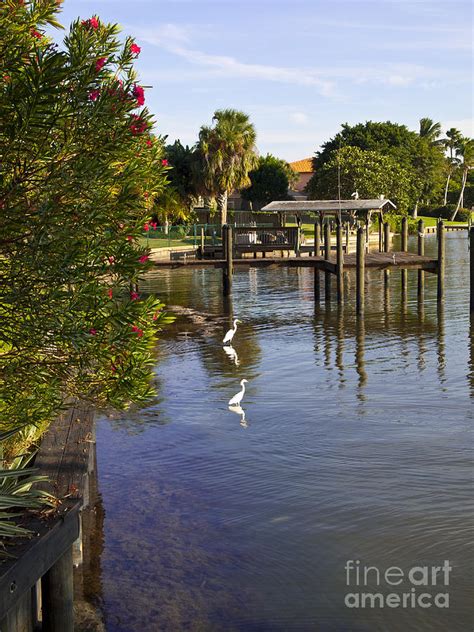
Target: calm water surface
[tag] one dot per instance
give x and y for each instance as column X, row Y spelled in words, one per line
column 355, row 445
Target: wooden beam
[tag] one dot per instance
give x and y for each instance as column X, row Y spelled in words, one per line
column 421, row 252
column 339, row 263
column 327, row 254
column 360, row 270
column 441, row 260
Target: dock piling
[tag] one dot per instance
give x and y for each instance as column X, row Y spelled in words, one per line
column 227, row 270
column 317, row 253
column 421, row 252
column 404, row 248
column 360, row 269
column 339, row 263
column 327, row 253
column 441, row 259
column 58, row 595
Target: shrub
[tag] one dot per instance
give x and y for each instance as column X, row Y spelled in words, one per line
column 80, row 173
column 445, row 212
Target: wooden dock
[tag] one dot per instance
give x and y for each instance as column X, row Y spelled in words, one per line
column 334, row 262
column 36, row 582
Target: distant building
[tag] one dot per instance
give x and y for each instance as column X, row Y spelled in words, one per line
column 304, row 169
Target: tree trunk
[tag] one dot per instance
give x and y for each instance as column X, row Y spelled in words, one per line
column 222, row 206
column 446, row 189
column 461, row 195
column 166, row 226
column 415, row 211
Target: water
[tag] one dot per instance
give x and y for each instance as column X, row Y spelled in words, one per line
column 356, row 445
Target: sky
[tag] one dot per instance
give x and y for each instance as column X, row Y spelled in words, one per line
column 298, row 68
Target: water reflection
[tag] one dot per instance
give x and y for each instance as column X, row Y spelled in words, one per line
column 347, row 457
column 231, row 354
column 238, row 410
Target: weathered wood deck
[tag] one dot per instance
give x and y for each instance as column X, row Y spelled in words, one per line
column 63, row 457
column 375, row 260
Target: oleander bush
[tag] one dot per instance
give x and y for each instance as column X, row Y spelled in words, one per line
column 80, row 170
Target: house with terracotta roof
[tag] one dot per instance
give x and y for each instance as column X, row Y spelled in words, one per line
column 304, row 169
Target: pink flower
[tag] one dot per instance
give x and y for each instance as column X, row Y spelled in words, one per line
column 154, row 225
column 134, row 296
column 111, row 259
column 130, row 237
column 146, row 227
column 164, row 162
column 143, row 258
column 135, row 49
column 156, row 314
column 36, row 34
column 137, row 126
column 92, row 331
column 94, row 95
column 91, row 23
column 110, row 293
column 139, row 94
column 149, row 143
column 137, row 331
column 100, row 63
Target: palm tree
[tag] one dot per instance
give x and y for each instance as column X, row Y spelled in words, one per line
column 451, row 142
column 466, row 151
column 227, row 153
column 430, row 130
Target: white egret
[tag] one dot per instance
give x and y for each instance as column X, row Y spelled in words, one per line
column 231, row 333
column 235, row 401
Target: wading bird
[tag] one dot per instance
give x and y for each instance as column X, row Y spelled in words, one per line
column 231, row 333
column 235, row 401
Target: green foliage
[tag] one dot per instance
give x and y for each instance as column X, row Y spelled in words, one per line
column 422, row 161
column 226, row 154
column 445, row 212
column 182, row 173
column 368, row 172
column 79, row 177
column 269, row 181
column 17, row 493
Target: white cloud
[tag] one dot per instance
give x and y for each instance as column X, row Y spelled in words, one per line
column 300, row 118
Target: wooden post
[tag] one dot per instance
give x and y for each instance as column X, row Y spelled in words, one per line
column 404, row 248
column 471, row 252
column 298, row 241
column 386, row 238
column 404, row 234
column 348, row 231
column 441, row 258
column 386, row 247
column 327, row 252
column 360, row 269
column 227, row 271
column 317, row 253
column 57, row 596
column 421, row 252
column 380, row 234
column 339, row 263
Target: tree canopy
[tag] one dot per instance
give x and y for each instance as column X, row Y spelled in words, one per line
column 79, row 178
column 226, row 153
column 269, row 181
column 370, row 173
column 421, row 159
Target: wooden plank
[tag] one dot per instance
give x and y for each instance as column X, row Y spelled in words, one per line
column 35, row 557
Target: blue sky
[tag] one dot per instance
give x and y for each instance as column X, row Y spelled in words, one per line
column 298, row 68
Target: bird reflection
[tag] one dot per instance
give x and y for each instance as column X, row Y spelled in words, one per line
column 232, row 354
column 238, row 410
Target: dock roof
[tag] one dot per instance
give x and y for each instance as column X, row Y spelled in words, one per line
column 322, row 206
